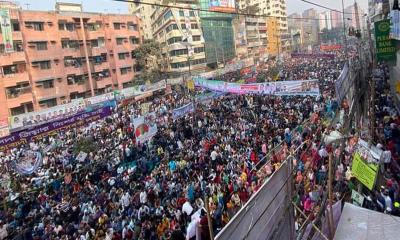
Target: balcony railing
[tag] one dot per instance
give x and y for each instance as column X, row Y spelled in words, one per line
column 16, row 92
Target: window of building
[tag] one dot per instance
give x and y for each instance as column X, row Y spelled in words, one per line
column 191, row 13
column 171, row 27
column 49, row 102
column 48, row 83
column 122, row 56
column 198, row 61
column 179, row 65
column 196, row 38
column 181, row 13
column 132, row 27
column 194, row 26
column 41, row 46
column 199, row 50
column 134, row 40
column 168, row 15
column 117, row 26
column 183, row 26
column 100, row 42
column 37, row 26
column 178, row 52
column 10, row 69
column 25, row 107
column 19, row 89
column 99, row 59
column 174, row 40
column 125, row 70
column 94, row 26
column 120, row 41
column 15, row 25
column 42, row 64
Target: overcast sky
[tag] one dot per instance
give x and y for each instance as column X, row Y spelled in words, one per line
column 111, row 6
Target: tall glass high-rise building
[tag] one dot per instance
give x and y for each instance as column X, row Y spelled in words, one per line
column 218, row 31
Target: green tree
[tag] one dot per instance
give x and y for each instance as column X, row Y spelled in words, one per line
column 150, row 61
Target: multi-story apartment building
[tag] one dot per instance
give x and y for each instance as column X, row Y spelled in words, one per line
column 179, row 32
column 144, row 11
column 251, row 37
column 61, row 55
column 278, row 20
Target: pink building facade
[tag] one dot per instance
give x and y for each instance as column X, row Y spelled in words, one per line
column 61, row 56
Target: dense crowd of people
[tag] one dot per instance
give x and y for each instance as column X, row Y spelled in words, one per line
column 125, row 189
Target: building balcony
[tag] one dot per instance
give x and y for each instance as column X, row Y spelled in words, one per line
column 24, row 96
column 126, row 77
column 124, row 63
column 72, row 35
column 98, row 50
column 47, row 93
column 81, row 87
column 104, row 82
column 92, row 35
column 100, row 67
column 39, row 74
column 75, row 70
column 12, row 58
column 10, row 80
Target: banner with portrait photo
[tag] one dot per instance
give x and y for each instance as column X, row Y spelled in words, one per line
column 28, row 162
column 47, row 115
column 145, row 127
column 280, row 88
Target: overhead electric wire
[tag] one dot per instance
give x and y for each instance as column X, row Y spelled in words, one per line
column 217, row 11
column 322, row 6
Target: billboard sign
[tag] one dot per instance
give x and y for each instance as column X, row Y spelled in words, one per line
column 385, row 46
column 6, row 31
column 227, row 6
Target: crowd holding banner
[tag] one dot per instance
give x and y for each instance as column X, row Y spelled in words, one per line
column 145, row 127
column 179, row 112
column 312, row 55
column 27, row 135
column 281, row 88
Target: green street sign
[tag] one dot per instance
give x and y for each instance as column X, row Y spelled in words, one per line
column 385, row 46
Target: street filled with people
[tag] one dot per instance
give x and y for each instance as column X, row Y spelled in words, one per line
column 158, row 189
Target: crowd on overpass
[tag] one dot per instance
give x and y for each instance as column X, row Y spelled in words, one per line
column 158, row 189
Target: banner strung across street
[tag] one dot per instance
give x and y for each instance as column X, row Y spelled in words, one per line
column 182, row 111
column 47, row 115
column 25, row 136
column 141, row 89
column 145, row 127
column 332, row 47
column 280, row 88
column 312, row 55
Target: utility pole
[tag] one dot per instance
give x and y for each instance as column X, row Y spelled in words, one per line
column 330, row 196
column 344, row 30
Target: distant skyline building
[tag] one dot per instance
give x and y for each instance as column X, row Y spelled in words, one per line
column 325, row 20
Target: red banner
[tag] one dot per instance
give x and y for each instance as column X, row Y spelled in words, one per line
column 331, row 47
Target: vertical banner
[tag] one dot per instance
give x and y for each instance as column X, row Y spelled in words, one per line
column 6, row 32
column 385, row 46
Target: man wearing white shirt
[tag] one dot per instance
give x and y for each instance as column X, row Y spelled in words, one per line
column 187, row 208
column 143, row 197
